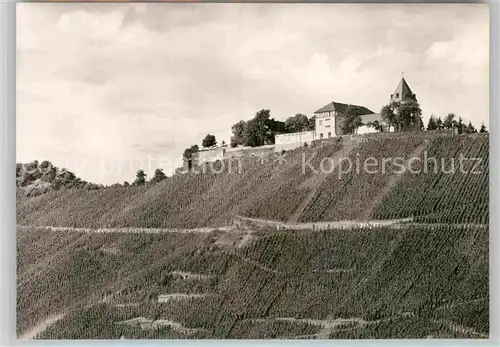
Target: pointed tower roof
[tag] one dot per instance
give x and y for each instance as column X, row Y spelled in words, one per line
column 403, row 92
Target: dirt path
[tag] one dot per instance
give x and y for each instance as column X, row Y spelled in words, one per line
column 460, row 328
column 146, row 323
column 315, row 181
column 191, row 275
column 233, row 233
column 179, row 296
column 41, row 326
column 401, row 223
column 128, row 230
column 329, row 326
column 393, row 180
column 345, row 224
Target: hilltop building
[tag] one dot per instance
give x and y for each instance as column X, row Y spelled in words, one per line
column 404, row 94
column 329, row 118
column 329, row 121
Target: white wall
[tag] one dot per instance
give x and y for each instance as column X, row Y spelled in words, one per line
column 325, row 123
column 293, row 140
column 210, row 155
column 368, row 130
column 365, row 130
column 305, row 136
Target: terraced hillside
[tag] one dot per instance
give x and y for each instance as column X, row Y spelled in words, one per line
column 269, row 248
column 414, row 282
column 291, row 187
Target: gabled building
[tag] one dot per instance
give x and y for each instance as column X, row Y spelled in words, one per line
column 330, row 119
column 403, row 92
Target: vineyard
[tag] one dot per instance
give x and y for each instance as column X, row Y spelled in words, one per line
column 450, row 197
column 91, row 265
column 275, row 187
column 411, row 283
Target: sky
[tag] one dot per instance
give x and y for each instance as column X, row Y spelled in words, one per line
column 106, row 89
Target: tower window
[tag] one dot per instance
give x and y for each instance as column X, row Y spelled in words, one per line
column 397, row 95
column 321, row 135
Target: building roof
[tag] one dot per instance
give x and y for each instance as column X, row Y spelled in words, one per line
column 403, row 91
column 339, row 106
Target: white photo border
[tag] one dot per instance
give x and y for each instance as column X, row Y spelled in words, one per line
column 8, row 203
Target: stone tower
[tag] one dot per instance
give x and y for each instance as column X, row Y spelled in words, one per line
column 403, row 94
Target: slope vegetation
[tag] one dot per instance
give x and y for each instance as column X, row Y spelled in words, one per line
column 415, row 283
column 116, row 262
column 292, row 187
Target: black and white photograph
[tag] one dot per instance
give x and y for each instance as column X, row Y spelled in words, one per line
column 252, row 171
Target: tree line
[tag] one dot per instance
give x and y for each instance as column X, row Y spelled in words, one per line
column 451, row 122
column 262, row 129
column 259, row 131
column 404, row 116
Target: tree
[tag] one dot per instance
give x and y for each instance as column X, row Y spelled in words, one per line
column 297, row 123
column 312, row 123
column 470, row 128
column 403, row 116
column 352, row 120
column 209, row 141
column 460, row 125
column 239, row 131
column 389, row 116
column 449, row 121
column 274, row 127
column 421, row 123
column 256, row 133
column 158, row 176
column 483, row 128
column 126, row 184
column 440, row 124
column 409, row 114
column 432, row 124
column 376, row 125
column 140, row 178
column 45, row 164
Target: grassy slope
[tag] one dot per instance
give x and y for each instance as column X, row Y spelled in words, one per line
column 273, row 191
column 281, row 274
